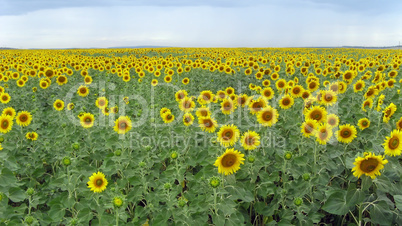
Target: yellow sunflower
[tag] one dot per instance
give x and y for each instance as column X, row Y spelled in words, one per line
column 61, row 80
column 31, row 136
column 268, row 116
column 5, row 98
column 87, row 120
column 164, row 110
column 328, row 97
column 286, row 102
column 229, row 162
column 101, row 102
column 24, row 118
column 179, row 95
column 70, row 106
column 154, row 82
column 6, row 123
column 369, row 165
column 58, row 105
column 296, row 91
column 346, row 133
column 228, row 135
column 309, row 128
column 367, row 104
column 227, row 106
column 267, row 93
column 187, row 104
column 168, row 117
column 359, row 86
column 97, row 182
column 363, row 123
column 205, row 97
column 207, row 124
column 257, row 105
column 250, row 140
column 203, row 112
column 188, row 119
column 317, row 113
column 9, row 111
column 324, row 134
column 332, row 120
column 388, row 112
column 122, row 125
column 83, row 91
column 392, row 144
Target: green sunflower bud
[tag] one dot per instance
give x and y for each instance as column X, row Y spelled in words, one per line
column 117, row 202
column 174, row 155
column 167, row 186
column 288, row 155
column 30, row 191
column 214, row 182
column 117, row 152
column 66, row 161
column 251, row 159
column 298, row 201
column 29, row 220
column 306, row 176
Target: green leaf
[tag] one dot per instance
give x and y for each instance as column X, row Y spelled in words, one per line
column 16, row 194
column 264, row 209
column 336, row 203
column 354, row 196
column 57, row 213
column 240, row 193
column 398, row 201
column 380, row 214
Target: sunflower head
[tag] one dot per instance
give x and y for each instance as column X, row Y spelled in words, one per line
column 122, row 125
column 369, row 165
column 229, row 162
column 228, row 135
column 97, row 182
column 392, row 144
column 250, row 140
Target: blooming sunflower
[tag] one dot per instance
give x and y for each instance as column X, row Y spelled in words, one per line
column 257, row 105
column 87, row 120
column 6, row 123
column 24, row 118
column 203, row 112
column 185, row 81
column 227, row 106
column 228, row 135
column 31, row 136
column 205, row 97
column 106, row 111
column 296, row 91
column 186, row 104
column 309, row 128
column 346, row 133
column 207, row 124
column 61, row 80
column 168, row 117
column 324, row 134
column 164, row 110
column 369, row 165
column 267, row 93
column 328, row 97
column 392, row 144
column 367, row 103
column 58, row 105
column 317, row 113
column 286, row 102
column 70, row 106
column 332, row 120
column 97, row 182
column 359, row 86
column 83, row 91
column 9, row 111
column 122, row 125
column 229, row 162
column 5, row 98
column 268, row 116
column 250, row 140
column 188, row 119
column 179, row 95
column 101, row 102
column 388, row 112
column 363, row 123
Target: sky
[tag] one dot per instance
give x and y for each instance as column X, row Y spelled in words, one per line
column 188, row 23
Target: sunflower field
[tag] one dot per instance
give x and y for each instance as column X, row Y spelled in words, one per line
column 201, row 136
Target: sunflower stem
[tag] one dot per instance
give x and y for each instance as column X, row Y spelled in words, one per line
column 215, row 196
column 361, row 215
column 117, row 217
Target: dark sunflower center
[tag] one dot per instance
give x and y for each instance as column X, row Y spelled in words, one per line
column 393, row 143
column 83, row 90
column 5, row 97
column 358, row 86
column 181, row 96
column 58, row 105
column 286, row 102
column 123, row 125
column 249, row 140
column 257, row 106
column 227, row 135
column 296, row 90
column 364, row 123
column 228, row 160
column 187, row 104
column 187, row 119
column 168, row 117
column 102, row 102
column 87, row 120
column 309, row 128
column 332, row 121
column 227, row 106
column 4, row 124
column 267, row 116
column 328, row 97
column 369, row 165
column 346, row 133
column 317, row 116
column 206, row 96
column 99, row 182
column 323, row 134
column 23, row 118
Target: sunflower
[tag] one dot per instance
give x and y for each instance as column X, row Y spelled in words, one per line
column 267, row 93
column 309, row 128
column 398, row 124
column 179, row 95
column 229, row 90
column 106, row 111
column 207, row 124
column 250, row 140
column 9, row 111
column 187, row 104
column 305, row 94
column 332, row 120
column 363, row 123
column 228, row 106
column 44, row 84
column 317, row 113
column 392, row 144
column 367, row 103
column 388, row 112
column 101, row 102
column 203, row 112
column 229, row 162
column 328, row 97
column 97, row 182
column 296, row 91
column 280, row 84
column 228, row 135
column 164, row 110
column 205, row 97
column 188, row 119
column 61, row 80
column 268, row 116
column 154, row 82
column 83, row 91
column 20, row 83
column 87, row 120
column 185, row 81
column 167, row 79
column 31, row 136
column 242, row 100
column 58, row 105
column 346, row 133
column 369, row 165
column 87, row 80
column 6, row 123
column 5, row 98
column 313, row 86
column 286, row 102
column 123, row 124
column 167, row 117
column 371, row 92
column 24, row 118
column 70, row 106
column 359, row 86
column 257, row 105
column 324, row 134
